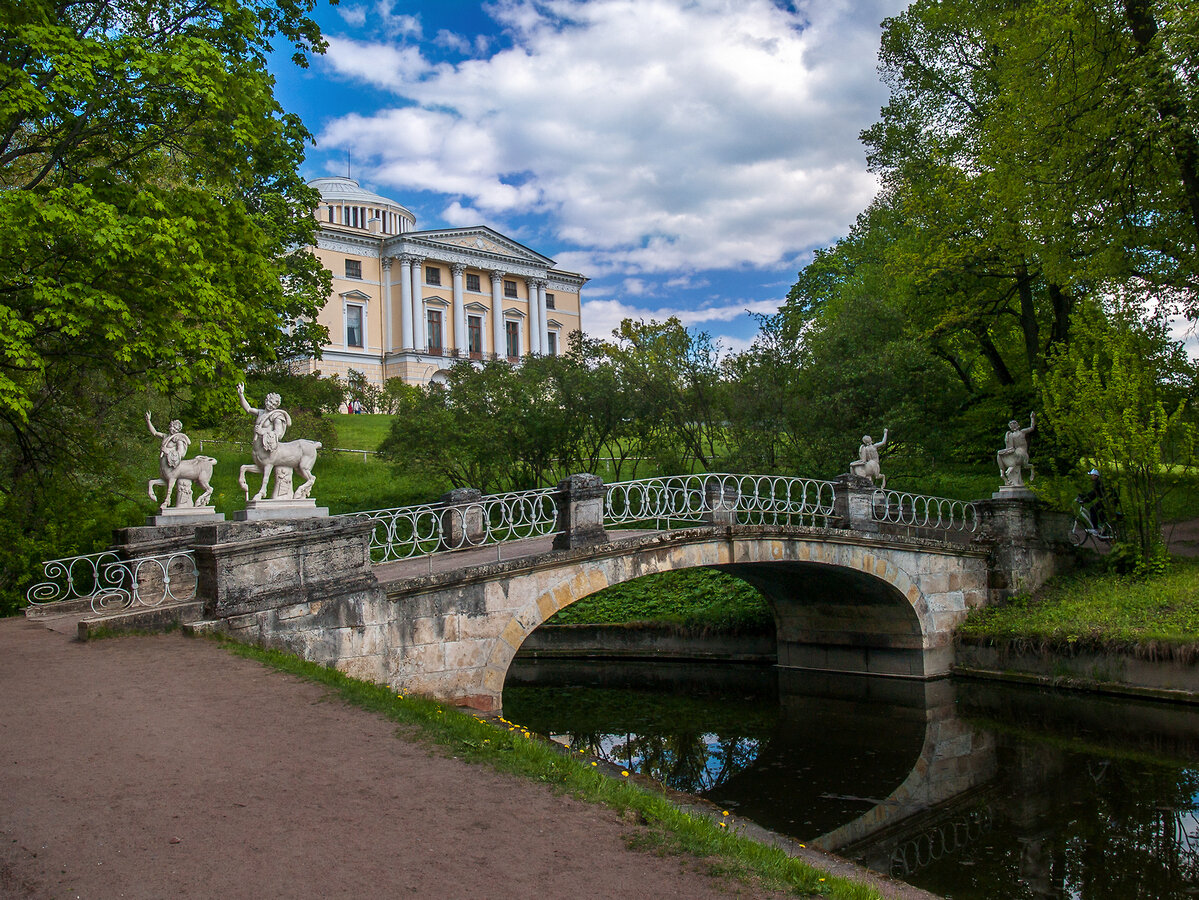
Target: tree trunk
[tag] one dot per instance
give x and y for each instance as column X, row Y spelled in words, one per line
column 1167, row 100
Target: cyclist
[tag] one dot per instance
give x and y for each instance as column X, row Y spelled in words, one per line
column 1095, row 502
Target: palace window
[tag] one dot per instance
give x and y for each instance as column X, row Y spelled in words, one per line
column 553, row 343
column 472, row 283
column 549, row 301
column 353, row 268
column 435, row 331
column 509, row 288
column 432, row 275
column 474, row 336
column 353, row 326
column 512, row 333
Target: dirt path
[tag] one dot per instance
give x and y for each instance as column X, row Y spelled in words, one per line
column 163, row 766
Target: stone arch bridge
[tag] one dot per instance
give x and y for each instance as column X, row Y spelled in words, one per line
column 438, row 599
column 855, row 588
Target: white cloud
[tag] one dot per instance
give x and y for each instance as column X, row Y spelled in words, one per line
column 601, row 317
column 353, row 15
column 380, row 65
column 657, row 135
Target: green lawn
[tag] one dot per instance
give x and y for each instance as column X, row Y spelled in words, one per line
column 1101, row 611
column 361, row 432
column 690, row 600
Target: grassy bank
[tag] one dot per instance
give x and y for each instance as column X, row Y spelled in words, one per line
column 1093, row 610
column 690, row 601
column 510, row 748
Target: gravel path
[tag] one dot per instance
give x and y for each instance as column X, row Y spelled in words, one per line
column 152, row 767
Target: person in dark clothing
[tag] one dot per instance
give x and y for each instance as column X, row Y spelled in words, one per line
column 1095, row 502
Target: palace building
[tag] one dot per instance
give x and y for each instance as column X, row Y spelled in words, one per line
column 408, row 304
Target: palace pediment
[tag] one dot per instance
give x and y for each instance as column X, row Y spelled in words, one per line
column 480, row 239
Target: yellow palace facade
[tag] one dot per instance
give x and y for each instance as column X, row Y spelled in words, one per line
column 408, row 304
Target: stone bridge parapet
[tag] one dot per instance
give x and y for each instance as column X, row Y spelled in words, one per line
column 843, row 601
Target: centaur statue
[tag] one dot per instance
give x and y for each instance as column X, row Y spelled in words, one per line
column 270, row 451
column 174, row 470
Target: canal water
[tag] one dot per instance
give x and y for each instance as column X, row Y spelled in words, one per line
column 972, row 790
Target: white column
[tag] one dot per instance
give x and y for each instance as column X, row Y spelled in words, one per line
column 387, row 329
column 534, row 327
column 497, row 314
column 406, row 302
column 461, row 346
column 543, row 319
column 419, row 335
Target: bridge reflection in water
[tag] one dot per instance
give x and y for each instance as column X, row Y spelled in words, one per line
column 967, row 789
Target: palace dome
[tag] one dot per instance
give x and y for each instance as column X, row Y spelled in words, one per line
column 345, row 197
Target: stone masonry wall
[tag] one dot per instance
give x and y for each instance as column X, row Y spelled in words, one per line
column 453, row 636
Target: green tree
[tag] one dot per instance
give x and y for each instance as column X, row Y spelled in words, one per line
column 671, row 381
column 362, row 392
column 150, row 211
column 1117, row 399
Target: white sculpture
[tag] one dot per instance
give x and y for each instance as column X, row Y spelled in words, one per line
column 1013, row 458
column 866, row 466
column 174, row 470
column 270, row 451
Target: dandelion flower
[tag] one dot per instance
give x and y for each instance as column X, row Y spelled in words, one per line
column 625, row 774
column 725, row 813
column 595, row 764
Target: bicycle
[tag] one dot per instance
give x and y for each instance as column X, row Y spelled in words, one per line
column 1106, row 533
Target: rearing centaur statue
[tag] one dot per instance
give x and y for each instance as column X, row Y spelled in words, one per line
column 271, row 452
column 173, row 469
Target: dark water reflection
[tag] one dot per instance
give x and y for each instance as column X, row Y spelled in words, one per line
column 968, row 789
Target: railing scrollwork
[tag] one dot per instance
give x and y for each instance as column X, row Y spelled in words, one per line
column 110, row 583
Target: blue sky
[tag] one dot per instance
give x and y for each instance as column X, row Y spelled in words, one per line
column 686, row 155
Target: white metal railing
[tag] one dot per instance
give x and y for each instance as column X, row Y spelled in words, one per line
column 412, row 531
column 920, row 511
column 73, row 577
column 110, row 583
column 747, row 499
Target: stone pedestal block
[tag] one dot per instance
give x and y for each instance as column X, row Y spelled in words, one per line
column 271, row 510
column 185, row 515
column 1030, row 543
column 462, row 519
column 720, row 502
column 854, row 502
column 248, row 567
column 580, row 512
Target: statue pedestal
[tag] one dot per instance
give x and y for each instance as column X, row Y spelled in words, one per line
column 185, row 515
column 261, row 510
column 1014, row 493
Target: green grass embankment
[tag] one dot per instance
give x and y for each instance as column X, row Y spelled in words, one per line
column 509, row 747
column 689, row 601
column 1099, row 611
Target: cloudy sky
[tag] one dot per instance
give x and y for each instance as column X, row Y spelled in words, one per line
column 686, row 155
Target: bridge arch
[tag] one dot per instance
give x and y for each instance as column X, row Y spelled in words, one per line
column 837, row 605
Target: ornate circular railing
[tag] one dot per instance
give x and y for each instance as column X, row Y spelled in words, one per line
column 920, row 511
column 412, row 531
column 694, row 499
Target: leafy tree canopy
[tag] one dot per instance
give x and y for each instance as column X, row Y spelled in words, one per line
column 150, row 211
